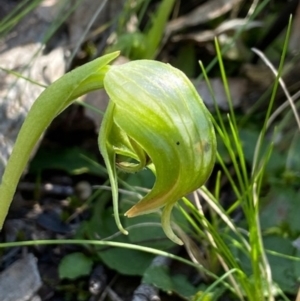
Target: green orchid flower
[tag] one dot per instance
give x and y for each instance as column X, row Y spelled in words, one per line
column 156, row 119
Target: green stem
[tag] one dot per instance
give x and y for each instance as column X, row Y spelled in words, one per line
column 49, row 104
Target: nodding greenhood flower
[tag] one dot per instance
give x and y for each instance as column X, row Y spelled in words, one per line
column 156, row 119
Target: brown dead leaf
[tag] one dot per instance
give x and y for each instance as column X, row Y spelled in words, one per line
column 194, row 251
column 229, row 27
column 202, row 14
column 238, row 89
column 261, row 75
column 298, row 295
column 294, row 44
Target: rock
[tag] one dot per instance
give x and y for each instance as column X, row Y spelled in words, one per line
column 21, row 280
column 21, row 52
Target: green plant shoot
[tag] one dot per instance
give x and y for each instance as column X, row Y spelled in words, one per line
column 155, row 119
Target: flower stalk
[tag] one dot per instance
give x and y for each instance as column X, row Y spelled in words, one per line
column 52, row 101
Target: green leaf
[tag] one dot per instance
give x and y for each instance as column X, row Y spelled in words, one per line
column 125, row 261
column 160, row 277
column 148, row 232
column 249, row 139
column 74, row 161
column 182, row 286
column 155, row 32
column 282, row 210
column 75, row 265
column 284, row 270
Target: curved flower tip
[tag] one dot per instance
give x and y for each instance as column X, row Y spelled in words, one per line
column 157, row 120
column 166, row 224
